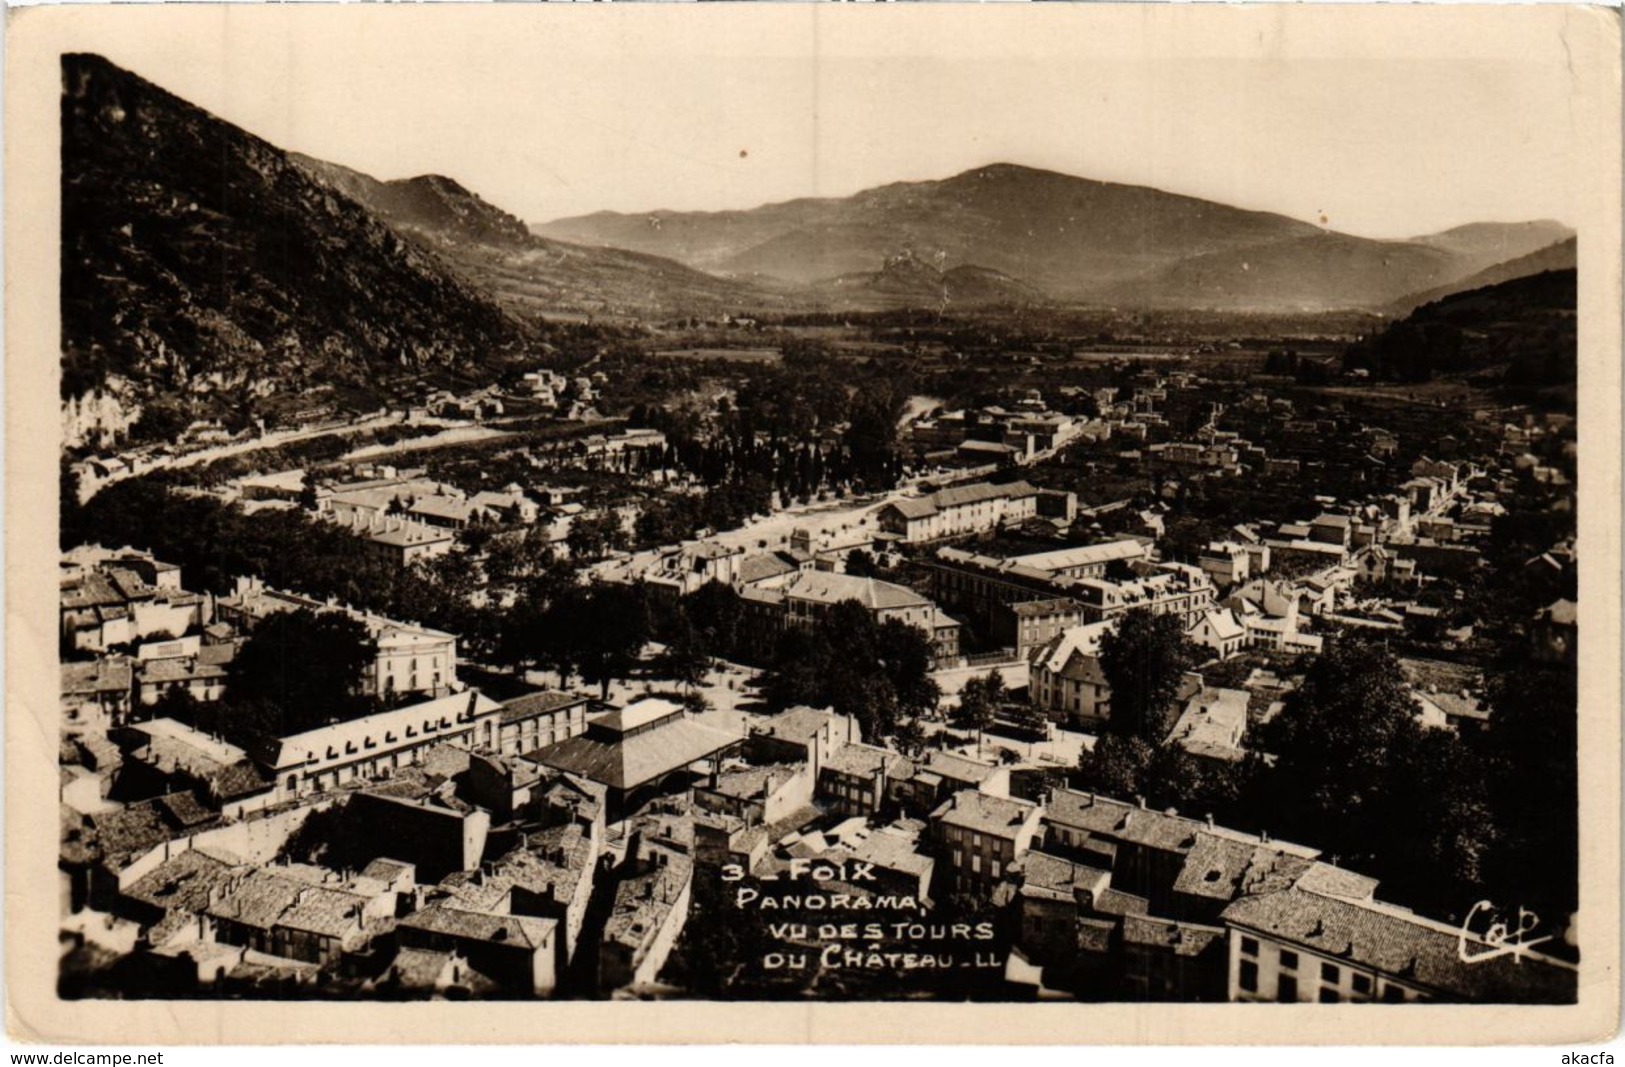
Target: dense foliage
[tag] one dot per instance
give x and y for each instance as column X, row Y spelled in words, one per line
column 1143, row 660
column 879, row 673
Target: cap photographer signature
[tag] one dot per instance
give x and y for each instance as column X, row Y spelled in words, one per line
column 1500, row 939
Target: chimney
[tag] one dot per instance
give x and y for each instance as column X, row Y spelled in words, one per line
column 1264, row 836
column 1139, row 801
column 1208, row 818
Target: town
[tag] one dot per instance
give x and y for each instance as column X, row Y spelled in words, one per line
column 1172, row 678
column 992, row 585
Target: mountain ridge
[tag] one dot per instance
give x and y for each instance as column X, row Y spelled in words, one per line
column 1076, row 239
column 528, row 274
column 201, row 266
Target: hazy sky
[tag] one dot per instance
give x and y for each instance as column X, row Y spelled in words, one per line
column 579, row 109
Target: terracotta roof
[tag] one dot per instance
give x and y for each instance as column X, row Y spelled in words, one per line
column 799, row 724
column 863, row 761
column 765, row 566
column 1052, row 877
column 96, row 677
column 888, row 848
column 1116, row 902
column 960, row 495
column 1116, row 820
column 420, row 968
column 453, row 922
column 241, row 779
column 974, row 810
column 1406, row 946
column 752, row 782
column 443, row 507
column 958, row 768
column 643, row 901
column 182, row 882
column 542, row 702
column 183, row 811
column 914, row 507
column 256, row 898
column 121, row 835
column 1185, row 939
column 327, row 912
column 826, row 587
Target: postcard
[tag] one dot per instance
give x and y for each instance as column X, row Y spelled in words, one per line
column 813, row 523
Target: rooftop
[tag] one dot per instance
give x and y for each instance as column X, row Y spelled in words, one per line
column 827, row 587
column 1116, row 820
column 1062, row 559
column 1407, row 946
column 450, row 921
column 538, row 703
column 412, row 724
column 1052, row 877
column 629, row 760
column 649, row 711
column 203, row 746
column 798, row 724
column 1186, row 939
column 974, row 810
column 864, row 761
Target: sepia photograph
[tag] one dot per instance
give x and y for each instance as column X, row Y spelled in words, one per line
column 1055, row 510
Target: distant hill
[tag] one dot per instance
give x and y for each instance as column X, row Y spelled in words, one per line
column 1559, row 256
column 1067, row 236
column 905, row 280
column 1485, row 244
column 1317, row 272
column 430, row 204
column 1072, row 239
column 201, row 266
column 495, row 252
column 1519, row 335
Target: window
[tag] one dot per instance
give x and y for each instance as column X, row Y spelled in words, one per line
column 975, row 840
column 995, row 868
column 1393, row 994
column 1249, row 946
column 976, row 862
column 1328, row 995
column 1249, row 976
column 1286, row 988
column 1330, row 973
column 1289, row 960
column 1362, row 983
column 959, row 858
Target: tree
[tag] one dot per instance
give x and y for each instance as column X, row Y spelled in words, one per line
column 1143, row 661
column 997, row 692
column 860, row 563
column 1358, row 774
column 176, row 702
column 1117, row 766
column 1531, row 756
column 606, row 627
column 881, row 675
column 595, row 535
column 306, row 665
column 975, row 710
column 904, row 656
column 684, row 660
column 910, row 737
column 715, row 614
